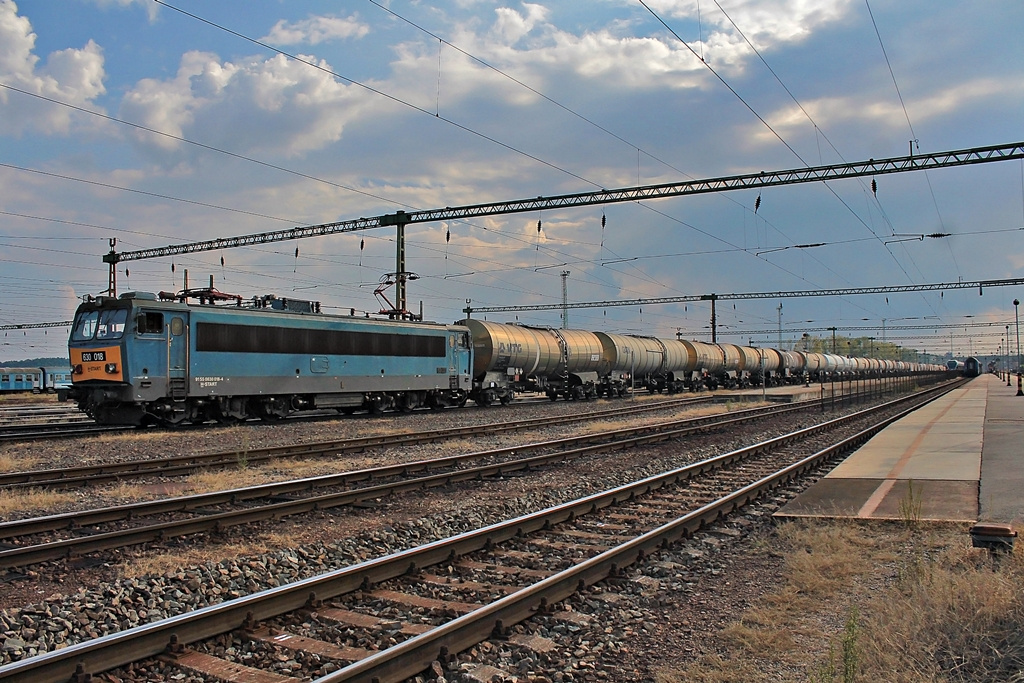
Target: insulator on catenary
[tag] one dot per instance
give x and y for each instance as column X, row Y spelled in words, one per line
column 757, row 203
column 447, row 236
column 538, row 227
column 874, row 187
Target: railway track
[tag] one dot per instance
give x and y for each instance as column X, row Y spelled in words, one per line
column 86, row 475
column 27, row 422
column 55, row 537
column 392, row 617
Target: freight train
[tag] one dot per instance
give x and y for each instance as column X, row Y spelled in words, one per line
column 145, row 358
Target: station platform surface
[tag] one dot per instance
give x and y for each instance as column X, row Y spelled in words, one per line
column 960, row 458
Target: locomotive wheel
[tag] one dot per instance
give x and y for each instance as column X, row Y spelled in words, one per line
column 377, row 404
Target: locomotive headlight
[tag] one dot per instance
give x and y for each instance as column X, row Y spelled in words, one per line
column 110, row 368
column 77, row 369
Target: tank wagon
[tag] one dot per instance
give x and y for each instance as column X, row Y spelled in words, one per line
column 516, row 358
column 576, row 364
column 142, row 358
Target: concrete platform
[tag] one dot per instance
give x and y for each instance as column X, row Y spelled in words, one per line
column 960, row 458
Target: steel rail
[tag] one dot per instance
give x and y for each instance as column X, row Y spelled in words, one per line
column 416, row 654
column 183, row 464
column 605, row 441
column 111, row 651
column 51, row 431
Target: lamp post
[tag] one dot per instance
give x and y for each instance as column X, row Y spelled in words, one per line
column 1016, row 320
column 1007, row 355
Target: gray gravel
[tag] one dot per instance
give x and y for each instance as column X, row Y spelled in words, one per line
column 583, row 652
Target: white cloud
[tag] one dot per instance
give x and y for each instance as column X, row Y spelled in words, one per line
column 273, row 105
column 833, row 112
column 74, row 76
column 151, row 7
column 315, row 30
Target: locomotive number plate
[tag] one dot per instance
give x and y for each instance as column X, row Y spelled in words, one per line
column 95, row 356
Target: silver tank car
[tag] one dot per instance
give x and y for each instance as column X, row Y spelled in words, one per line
column 626, row 358
column 510, row 358
column 736, row 358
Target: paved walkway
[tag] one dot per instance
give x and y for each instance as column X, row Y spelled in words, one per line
column 960, row 458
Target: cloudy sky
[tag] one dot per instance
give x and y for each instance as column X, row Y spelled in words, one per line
column 156, row 124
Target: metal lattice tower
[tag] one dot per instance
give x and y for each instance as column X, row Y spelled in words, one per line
column 565, row 300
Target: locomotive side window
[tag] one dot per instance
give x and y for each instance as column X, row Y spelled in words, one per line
column 151, row 322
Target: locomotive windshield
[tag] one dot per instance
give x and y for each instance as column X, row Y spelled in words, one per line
column 100, row 325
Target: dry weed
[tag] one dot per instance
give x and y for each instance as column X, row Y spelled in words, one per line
column 32, row 502
column 956, row 614
column 18, row 463
column 207, row 481
column 161, row 563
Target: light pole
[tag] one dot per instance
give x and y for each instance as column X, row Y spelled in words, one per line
column 1016, row 320
column 1007, row 355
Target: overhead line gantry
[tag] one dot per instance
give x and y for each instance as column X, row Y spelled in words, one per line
column 688, row 298
column 400, row 219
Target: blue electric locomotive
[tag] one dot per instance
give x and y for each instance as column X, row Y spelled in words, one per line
column 140, row 359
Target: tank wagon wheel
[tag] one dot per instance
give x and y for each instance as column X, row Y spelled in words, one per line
column 507, row 397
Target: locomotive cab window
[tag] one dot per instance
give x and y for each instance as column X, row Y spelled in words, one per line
column 150, row 322
column 107, row 324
